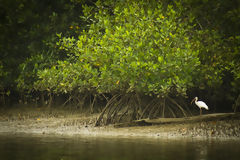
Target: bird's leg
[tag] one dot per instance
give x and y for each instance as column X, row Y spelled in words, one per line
column 200, row 111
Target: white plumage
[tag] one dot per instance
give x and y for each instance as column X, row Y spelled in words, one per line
column 200, row 104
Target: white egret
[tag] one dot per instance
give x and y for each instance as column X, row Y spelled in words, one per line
column 200, row 104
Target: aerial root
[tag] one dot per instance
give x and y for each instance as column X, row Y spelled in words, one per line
column 129, row 107
column 120, row 107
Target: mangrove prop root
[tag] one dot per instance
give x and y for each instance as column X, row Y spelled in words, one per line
column 105, row 109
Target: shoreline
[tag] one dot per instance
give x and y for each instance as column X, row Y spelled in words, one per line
column 84, row 126
column 73, row 122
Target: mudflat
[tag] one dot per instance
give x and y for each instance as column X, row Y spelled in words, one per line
column 62, row 123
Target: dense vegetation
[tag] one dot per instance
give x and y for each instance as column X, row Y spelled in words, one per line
column 138, row 58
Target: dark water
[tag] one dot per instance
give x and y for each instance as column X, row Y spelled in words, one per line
column 18, row 147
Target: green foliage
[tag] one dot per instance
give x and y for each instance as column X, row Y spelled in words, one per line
column 30, row 68
column 149, row 47
column 217, row 40
column 142, row 48
column 28, row 37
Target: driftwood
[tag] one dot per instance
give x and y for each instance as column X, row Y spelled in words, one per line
column 159, row 121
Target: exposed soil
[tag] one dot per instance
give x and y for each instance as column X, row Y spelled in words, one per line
column 80, row 124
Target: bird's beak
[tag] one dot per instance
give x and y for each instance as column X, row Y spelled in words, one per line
column 193, row 100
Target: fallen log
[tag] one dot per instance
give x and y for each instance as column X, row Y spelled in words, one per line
column 193, row 119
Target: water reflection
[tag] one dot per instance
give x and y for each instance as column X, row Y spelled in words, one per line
column 201, row 151
column 66, row 148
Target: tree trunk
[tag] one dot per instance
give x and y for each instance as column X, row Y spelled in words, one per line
column 193, row 119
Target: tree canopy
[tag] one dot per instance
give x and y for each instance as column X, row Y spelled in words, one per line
column 152, row 48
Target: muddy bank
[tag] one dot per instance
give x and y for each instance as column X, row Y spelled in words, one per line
column 84, row 125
